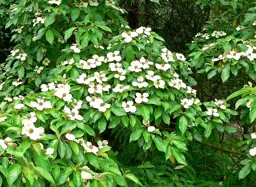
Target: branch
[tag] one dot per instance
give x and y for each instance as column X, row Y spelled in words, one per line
column 222, row 149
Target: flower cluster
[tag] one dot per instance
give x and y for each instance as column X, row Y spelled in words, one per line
column 218, row 34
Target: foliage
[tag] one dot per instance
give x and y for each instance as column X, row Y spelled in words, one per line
column 87, row 101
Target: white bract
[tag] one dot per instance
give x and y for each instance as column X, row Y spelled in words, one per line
column 141, row 97
column 5, row 142
column 212, row 112
column 49, row 151
column 90, row 148
column 103, row 143
column 63, row 92
column 186, row 103
column 73, row 114
column 70, row 136
column 253, row 135
column 76, row 48
column 140, row 83
column 220, row 104
column 40, row 104
column 128, row 106
column 121, row 88
column 31, row 131
column 57, row 2
column 252, row 151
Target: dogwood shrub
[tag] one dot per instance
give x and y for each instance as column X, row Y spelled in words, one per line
column 77, row 71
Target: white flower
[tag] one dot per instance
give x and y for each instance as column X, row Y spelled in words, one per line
column 41, row 104
column 186, row 103
column 4, row 142
column 234, row 55
column 252, row 151
column 249, row 103
column 135, row 66
column 70, row 136
column 140, row 83
column 114, row 56
column 163, row 67
column 38, row 69
column 212, row 112
column 93, row 3
column 145, row 63
column 8, row 98
column 120, row 75
column 22, row 56
column 103, row 143
column 78, row 104
column 220, row 104
column 16, row 83
column 196, row 100
column 19, row 106
column 106, row 87
column 86, row 175
column 76, row 48
column 94, row 88
column 151, row 76
column 91, row 148
column 159, row 83
column 177, row 83
column 57, row 2
column 180, row 57
column 128, row 36
column 151, row 129
column 141, row 97
column 103, row 107
column 14, row 52
column 46, row 61
column 167, row 55
column 63, row 92
column 190, row 90
column 47, row 87
column 98, row 59
column 253, row 135
column 120, row 88
column 82, row 79
column 68, row 62
column 128, row 106
column 115, row 67
column 2, row 119
column 31, row 131
column 49, row 151
column 143, row 30
column 94, row 101
column 72, row 114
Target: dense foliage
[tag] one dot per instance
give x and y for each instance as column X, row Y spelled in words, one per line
column 87, row 100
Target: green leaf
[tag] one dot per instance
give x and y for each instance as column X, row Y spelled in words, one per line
column 225, row 73
column 160, row 145
column 74, row 147
column 118, row 111
column 244, row 171
column 183, row 124
column 129, row 53
column 132, row 178
column 179, row 156
column 75, row 14
column 21, row 72
column 105, row 28
column 77, row 179
column 45, row 174
column 13, row 173
column 89, row 130
column 145, row 112
column 49, row 36
column 29, row 174
column 252, row 113
column 68, row 33
column 136, row 134
column 49, row 19
column 102, row 124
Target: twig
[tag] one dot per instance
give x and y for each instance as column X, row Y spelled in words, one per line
column 222, row 149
